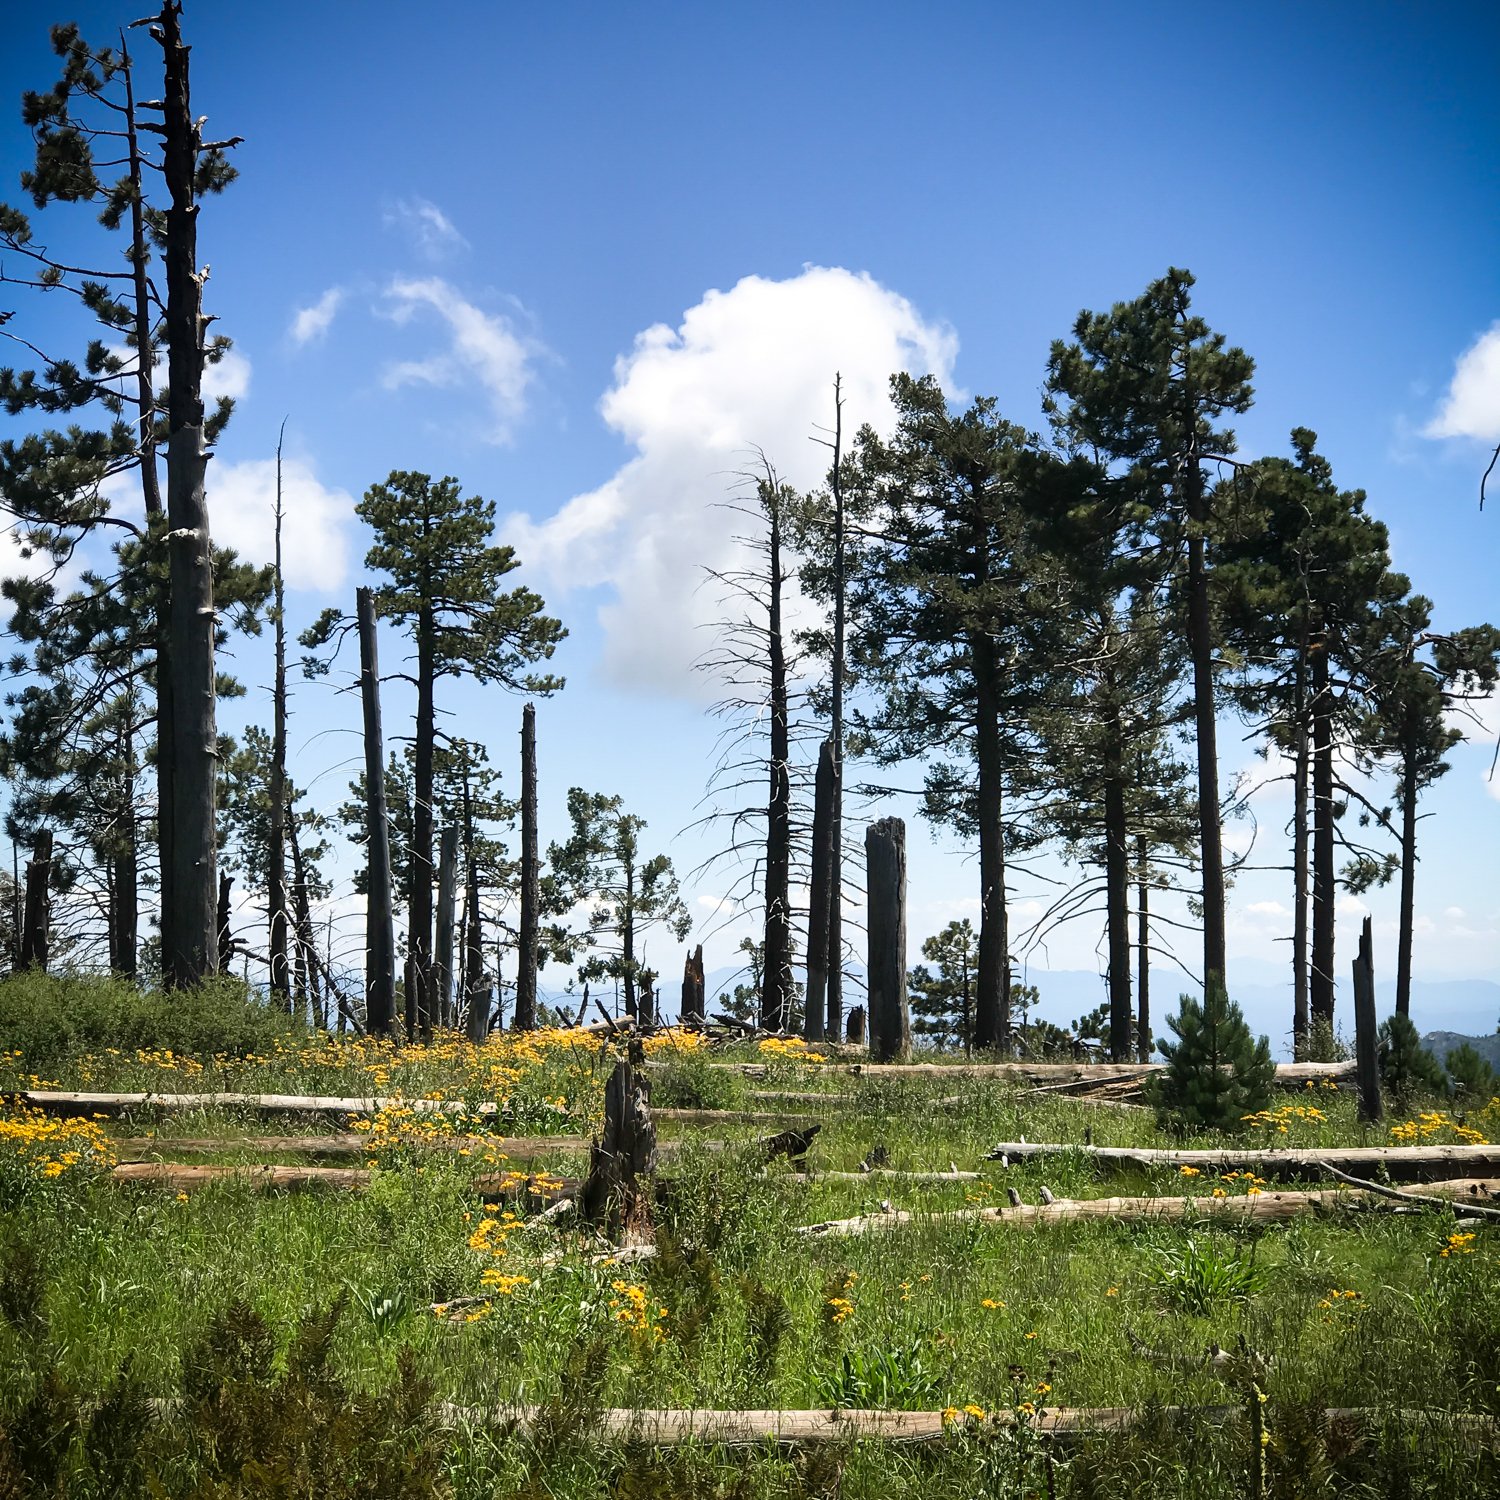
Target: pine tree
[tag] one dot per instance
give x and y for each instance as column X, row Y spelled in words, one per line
column 1216, row 1072
column 1145, row 387
column 1407, row 1068
column 942, row 1002
column 626, row 893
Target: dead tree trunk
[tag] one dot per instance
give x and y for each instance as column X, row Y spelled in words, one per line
column 890, row 1019
column 1145, row 1044
column 693, row 983
column 37, row 920
column 815, row 1013
column 1324, row 889
column 476, row 990
column 225, row 916
column 380, row 930
column 307, row 940
column 1367, row 1066
column 526, row 937
column 276, row 874
column 776, row 969
column 616, row 1196
column 191, row 894
column 834, row 1009
column 854, row 1032
column 447, row 900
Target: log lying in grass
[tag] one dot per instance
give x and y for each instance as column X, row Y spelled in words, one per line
column 1399, row 1163
column 278, row 1177
column 1268, row 1208
column 918, row 1177
column 1081, row 1076
column 62, row 1103
column 674, row 1428
column 348, row 1145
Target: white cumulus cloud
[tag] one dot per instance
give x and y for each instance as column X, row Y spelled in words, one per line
column 431, row 230
column 751, row 366
column 482, row 348
column 1471, row 409
column 314, row 541
column 313, row 322
column 229, row 377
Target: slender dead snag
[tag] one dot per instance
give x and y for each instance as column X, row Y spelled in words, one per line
column 380, row 937
column 35, row 928
column 526, row 942
column 276, row 874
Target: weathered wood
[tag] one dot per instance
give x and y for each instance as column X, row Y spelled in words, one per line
column 526, row 934
column 37, row 921
column 1085, row 1076
column 693, row 989
column 347, row 1145
column 1419, row 1200
column 675, row 1428
column 1399, row 1163
column 885, row 883
column 917, row 1177
column 1264, row 1208
column 277, row 1177
column 380, row 935
column 616, row 1196
column 854, row 1034
column 67, row 1103
column 276, row 907
column 1367, row 1063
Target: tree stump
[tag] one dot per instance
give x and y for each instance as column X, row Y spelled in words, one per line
column 38, row 916
column 854, row 1032
column 691, row 1011
column 614, row 1196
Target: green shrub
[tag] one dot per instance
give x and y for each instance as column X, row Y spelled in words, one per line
column 1198, row 1279
column 1407, row 1068
column 1216, row 1072
column 1472, row 1076
column 50, row 1018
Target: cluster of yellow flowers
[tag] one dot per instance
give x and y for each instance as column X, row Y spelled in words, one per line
column 631, row 1306
column 1280, row 1120
column 675, row 1039
column 39, row 1148
column 1432, row 1125
column 1251, row 1183
column 838, row 1306
column 1457, row 1244
column 788, row 1049
column 495, row 1229
column 402, row 1128
column 951, row 1414
column 1342, row 1306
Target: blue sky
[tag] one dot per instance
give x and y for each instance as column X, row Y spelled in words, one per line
column 583, row 257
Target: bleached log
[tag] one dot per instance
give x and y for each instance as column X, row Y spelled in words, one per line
column 279, row 1177
column 1304, row 1164
column 1267, row 1208
column 347, row 1145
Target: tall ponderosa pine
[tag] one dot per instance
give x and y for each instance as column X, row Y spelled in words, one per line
column 950, row 614
column 52, row 479
column 433, row 544
column 1144, row 388
column 1301, row 571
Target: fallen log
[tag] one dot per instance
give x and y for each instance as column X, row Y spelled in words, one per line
column 1268, row 1208
column 952, row 1176
column 1301, row 1164
column 65, row 1103
column 1084, row 1075
column 349, row 1145
column 493, row 1187
column 1419, row 1200
column 674, row 1428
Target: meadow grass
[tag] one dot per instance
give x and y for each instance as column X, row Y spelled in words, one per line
column 326, row 1300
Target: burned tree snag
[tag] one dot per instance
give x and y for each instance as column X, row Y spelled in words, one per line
column 447, row 900
column 854, row 1032
column 823, row 854
column 476, row 988
column 1366, row 1063
column 380, row 931
column 276, row 874
column 38, row 914
column 693, row 997
column 225, row 915
column 890, row 1020
column 616, row 1195
column 526, row 938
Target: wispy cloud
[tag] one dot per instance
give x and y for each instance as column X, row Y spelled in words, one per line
column 312, row 323
column 483, row 348
column 1471, row 408
column 433, row 233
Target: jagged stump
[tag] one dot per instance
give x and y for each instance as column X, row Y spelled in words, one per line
column 616, row 1195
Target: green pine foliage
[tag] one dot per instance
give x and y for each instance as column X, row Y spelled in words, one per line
column 1472, row 1076
column 1217, row 1073
column 1407, row 1068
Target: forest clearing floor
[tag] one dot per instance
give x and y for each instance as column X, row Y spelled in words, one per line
column 336, row 1339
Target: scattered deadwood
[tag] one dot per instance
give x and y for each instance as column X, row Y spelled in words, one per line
column 1268, row 1208
column 1082, row 1076
column 917, row 1177
column 1399, row 1163
column 1422, row 1200
column 793, row 1144
column 349, row 1145
column 773, row 1096
column 64, row 1103
column 674, row 1428
column 616, row 1195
